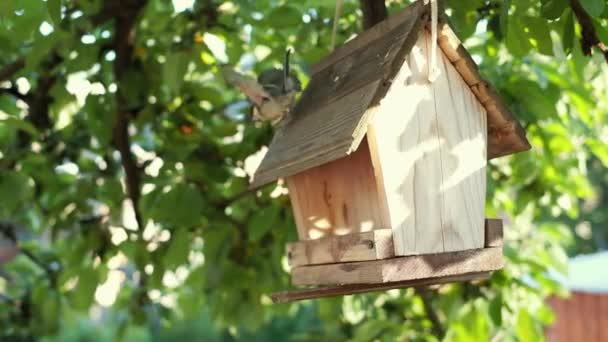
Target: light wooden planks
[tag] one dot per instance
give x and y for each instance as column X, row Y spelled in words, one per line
column 373, row 245
column 401, row 268
column 343, row 290
column 337, row 198
column 431, row 154
column 505, row 134
column 462, row 129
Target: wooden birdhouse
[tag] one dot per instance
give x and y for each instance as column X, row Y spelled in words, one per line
column 386, row 171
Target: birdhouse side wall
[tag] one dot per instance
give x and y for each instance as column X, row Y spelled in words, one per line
column 338, row 198
column 430, row 142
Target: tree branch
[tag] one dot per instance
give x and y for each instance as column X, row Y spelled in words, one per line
column 9, row 229
column 438, row 329
column 589, row 37
column 124, row 26
column 15, row 93
column 374, row 11
column 10, row 69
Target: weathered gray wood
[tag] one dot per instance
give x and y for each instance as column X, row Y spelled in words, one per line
column 493, row 233
column 343, row 290
column 363, row 40
column 401, row 268
column 373, row 245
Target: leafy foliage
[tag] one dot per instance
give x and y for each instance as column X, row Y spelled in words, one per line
column 124, row 163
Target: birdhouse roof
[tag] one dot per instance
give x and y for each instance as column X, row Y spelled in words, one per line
column 332, row 115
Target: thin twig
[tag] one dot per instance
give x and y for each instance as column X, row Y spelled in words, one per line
column 589, row 37
column 123, row 45
column 438, row 329
column 10, row 69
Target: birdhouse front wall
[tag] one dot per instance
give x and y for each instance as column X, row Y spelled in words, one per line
column 338, row 198
column 429, row 141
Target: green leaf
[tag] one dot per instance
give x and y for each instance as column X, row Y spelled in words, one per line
column 568, row 33
column 495, row 310
column 594, row 7
column 15, row 191
column 601, row 31
column 54, row 8
column 6, row 8
column 174, row 70
column 504, row 16
column 538, row 32
column 179, row 207
column 20, row 124
column 179, row 248
column 84, row 292
column 262, row 222
column 525, row 327
column 517, row 39
column 284, row 16
column 553, row 9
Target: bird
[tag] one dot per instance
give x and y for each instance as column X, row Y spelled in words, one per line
column 272, row 94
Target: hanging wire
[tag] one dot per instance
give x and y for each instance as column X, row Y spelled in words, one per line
column 337, row 16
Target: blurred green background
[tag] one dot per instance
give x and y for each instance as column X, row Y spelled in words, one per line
column 124, row 163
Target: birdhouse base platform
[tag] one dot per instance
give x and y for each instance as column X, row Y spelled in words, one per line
column 344, row 290
column 365, row 262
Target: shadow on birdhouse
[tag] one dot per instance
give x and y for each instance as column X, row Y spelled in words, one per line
column 387, row 171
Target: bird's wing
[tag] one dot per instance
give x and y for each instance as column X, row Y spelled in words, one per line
column 246, row 85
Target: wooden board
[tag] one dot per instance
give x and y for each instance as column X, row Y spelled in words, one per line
column 505, row 134
column 363, row 40
column 494, row 233
column 401, row 268
column 334, row 291
column 373, row 245
column 431, row 154
column 337, row 198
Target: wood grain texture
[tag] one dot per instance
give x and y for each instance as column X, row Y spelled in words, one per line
column 311, row 140
column 343, row 290
column 493, row 233
column 373, row 245
column 337, row 198
column 432, row 158
column 462, row 124
column 331, row 117
column 363, row 40
column 505, row 134
column 581, row 317
column 401, row 268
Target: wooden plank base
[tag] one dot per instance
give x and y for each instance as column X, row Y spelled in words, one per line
column 334, row 291
column 372, row 245
column 401, row 269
